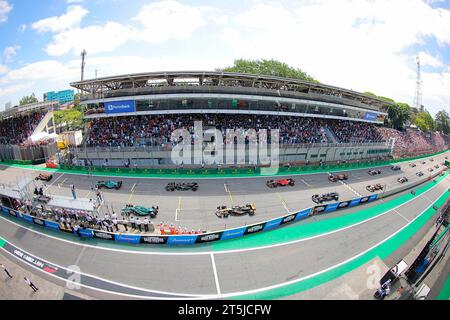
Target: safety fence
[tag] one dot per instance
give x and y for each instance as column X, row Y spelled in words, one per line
column 238, row 171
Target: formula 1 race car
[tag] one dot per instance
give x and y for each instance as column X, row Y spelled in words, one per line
column 402, row 180
column 412, row 165
column 419, row 174
column 225, row 212
column 140, row 211
column 374, row 187
column 336, row 177
column 395, row 168
column 374, row 172
column 44, row 177
column 325, row 197
column 109, row 184
column 172, row 186
column 280, row 183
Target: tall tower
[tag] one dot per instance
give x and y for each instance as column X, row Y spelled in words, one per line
column 83, row 56
column 418, row 96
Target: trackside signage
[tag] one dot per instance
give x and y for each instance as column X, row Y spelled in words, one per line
column 210, row 237
column 124, row 106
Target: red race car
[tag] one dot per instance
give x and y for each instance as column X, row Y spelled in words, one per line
column 280, row 183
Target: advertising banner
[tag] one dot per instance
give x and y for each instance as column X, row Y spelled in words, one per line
column 177, row 240
column 331, row 207
column 124, row 106
column 39, row 222
column 255, row 228
column 127, row 238
column 343, row 204
column 364, row 200
column 318, row 209
column 103, row 235
column 51, row 225
column 5, row 210
column 287, row 219
column 373, row 197
column 86, row 233
column 153, row 239
column 13, row 213
column 370, row 116
column 354, row 202
column 303, row 214
column 233, row 233
column 28, row 218
column 272, row 224
column 210, row 237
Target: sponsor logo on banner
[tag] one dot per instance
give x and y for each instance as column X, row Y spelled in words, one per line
column 343, row 204
column 124, row 106
column 13, row 213
column 233, row 233
column 209, row 237
column 154, row 240
column 128, row 238
column 319, row 209
column 370, row 116
column 255, row 228
column 288, row 219
column 181, row 240
column 365, row 199
column 103, row 235
column 39, row 221
column 86, row 233
column 27, row 218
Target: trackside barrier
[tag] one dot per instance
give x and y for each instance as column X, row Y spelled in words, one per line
column 241, row 171
column 223, row 235
column 173, row 240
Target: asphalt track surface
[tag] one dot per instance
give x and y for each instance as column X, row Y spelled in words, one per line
column 196, row 210
column 233, row 269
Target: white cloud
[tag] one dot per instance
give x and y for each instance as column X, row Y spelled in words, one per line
column 171, row 19
column 71, row 18
column 93, row 38
column 3, row 69
column 5, row 8
column 358, row 45
column 9, row 53
column 428, row 60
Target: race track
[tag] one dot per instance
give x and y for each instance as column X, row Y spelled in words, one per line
column 263, row 262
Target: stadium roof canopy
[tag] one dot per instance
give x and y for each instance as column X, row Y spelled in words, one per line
column 101, row 86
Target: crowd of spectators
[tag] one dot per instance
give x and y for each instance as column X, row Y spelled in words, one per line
column 414, row 141
column 17, row 130
column 157, row 130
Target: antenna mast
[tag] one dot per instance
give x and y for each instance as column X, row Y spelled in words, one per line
column 83, row 56
column 418, row 96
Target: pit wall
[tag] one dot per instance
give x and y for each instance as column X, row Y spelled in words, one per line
column 172, row 240
column 236, row 172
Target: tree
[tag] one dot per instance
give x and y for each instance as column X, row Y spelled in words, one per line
column 442, row 122
column 268, row 68
column 28, row 99
column 71, row 119
column 398, row 115
column 424, row 121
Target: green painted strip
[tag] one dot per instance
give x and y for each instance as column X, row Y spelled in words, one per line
column 2, row 242
column 214, row 173
column 445, row 292
column 382, row 251
column 313, row 228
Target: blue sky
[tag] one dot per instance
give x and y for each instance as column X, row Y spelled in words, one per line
column 359, row 45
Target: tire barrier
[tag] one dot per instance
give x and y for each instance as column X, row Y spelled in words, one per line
column 172, row 240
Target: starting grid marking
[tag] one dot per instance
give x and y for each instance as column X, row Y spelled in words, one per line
column 351, row 189
column 283, row 202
